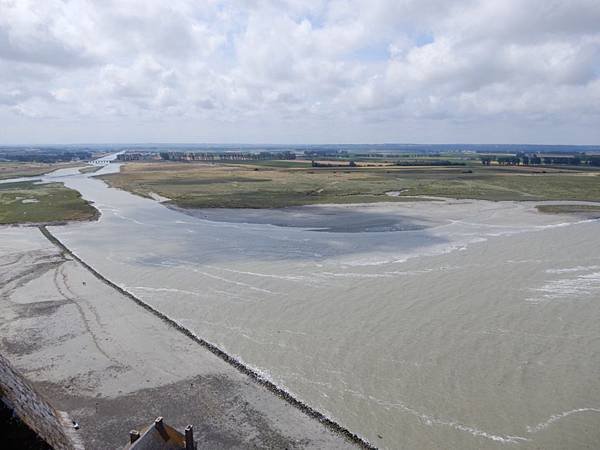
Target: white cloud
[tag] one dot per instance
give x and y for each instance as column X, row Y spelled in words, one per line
column 367, row 69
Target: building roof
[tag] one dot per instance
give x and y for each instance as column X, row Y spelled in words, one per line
column 161, row 436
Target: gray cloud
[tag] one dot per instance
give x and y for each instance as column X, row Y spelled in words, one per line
column 316, row 71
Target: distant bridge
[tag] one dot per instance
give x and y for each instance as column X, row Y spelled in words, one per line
column 106, row 159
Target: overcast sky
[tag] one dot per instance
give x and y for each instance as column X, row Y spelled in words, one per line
column 300, row 71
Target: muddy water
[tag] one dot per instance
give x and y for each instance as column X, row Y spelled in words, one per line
column 462, row 325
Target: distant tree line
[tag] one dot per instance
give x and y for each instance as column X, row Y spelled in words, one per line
column 429, row 162
column 535, row 159
column 45, row 157
column 322, row 164
column 226, row 156
column 369, row 155
column 333, row 153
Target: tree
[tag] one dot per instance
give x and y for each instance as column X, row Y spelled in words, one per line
column 594, row 160
column 509, row 160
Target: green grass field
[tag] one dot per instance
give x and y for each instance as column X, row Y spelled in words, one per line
column 33, row 203
column 27, row 169
column 196, row 185
column 585, row 210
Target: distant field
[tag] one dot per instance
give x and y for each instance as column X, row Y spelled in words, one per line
column 586, row 210
column 26, row 169
column 289, row 164
column 32, row 203
column 197, row 185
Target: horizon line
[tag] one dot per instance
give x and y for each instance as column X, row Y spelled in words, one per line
column 247, row 144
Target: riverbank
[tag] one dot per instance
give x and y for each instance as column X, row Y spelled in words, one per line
column 115, row 366
column 582, row 210
column 15, row 169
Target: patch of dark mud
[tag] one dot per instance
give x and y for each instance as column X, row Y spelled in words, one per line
column 32, row 338
column 214, row 405
column 16, row 258
column 313, row 218
column 23, row 340
column 29, row 271
column 87, row 383
column 25, row 345
column 39, row 309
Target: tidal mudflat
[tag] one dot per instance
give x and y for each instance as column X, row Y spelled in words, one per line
column 332, row 219
column 447, row 324
column 115, row 367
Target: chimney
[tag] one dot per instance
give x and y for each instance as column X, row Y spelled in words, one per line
column 189, row 438
column 134, row 435
column 160, row 427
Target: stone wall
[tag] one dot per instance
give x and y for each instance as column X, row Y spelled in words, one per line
column 54, row 427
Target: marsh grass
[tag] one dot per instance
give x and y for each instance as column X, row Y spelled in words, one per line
column 42, row 203
column 26, row 169
column 587, row 210
column 196, row 185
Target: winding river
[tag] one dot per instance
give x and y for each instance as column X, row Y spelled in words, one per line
column 438, row 324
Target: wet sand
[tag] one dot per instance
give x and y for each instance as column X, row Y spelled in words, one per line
column 114, row 366
column 324, row 218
